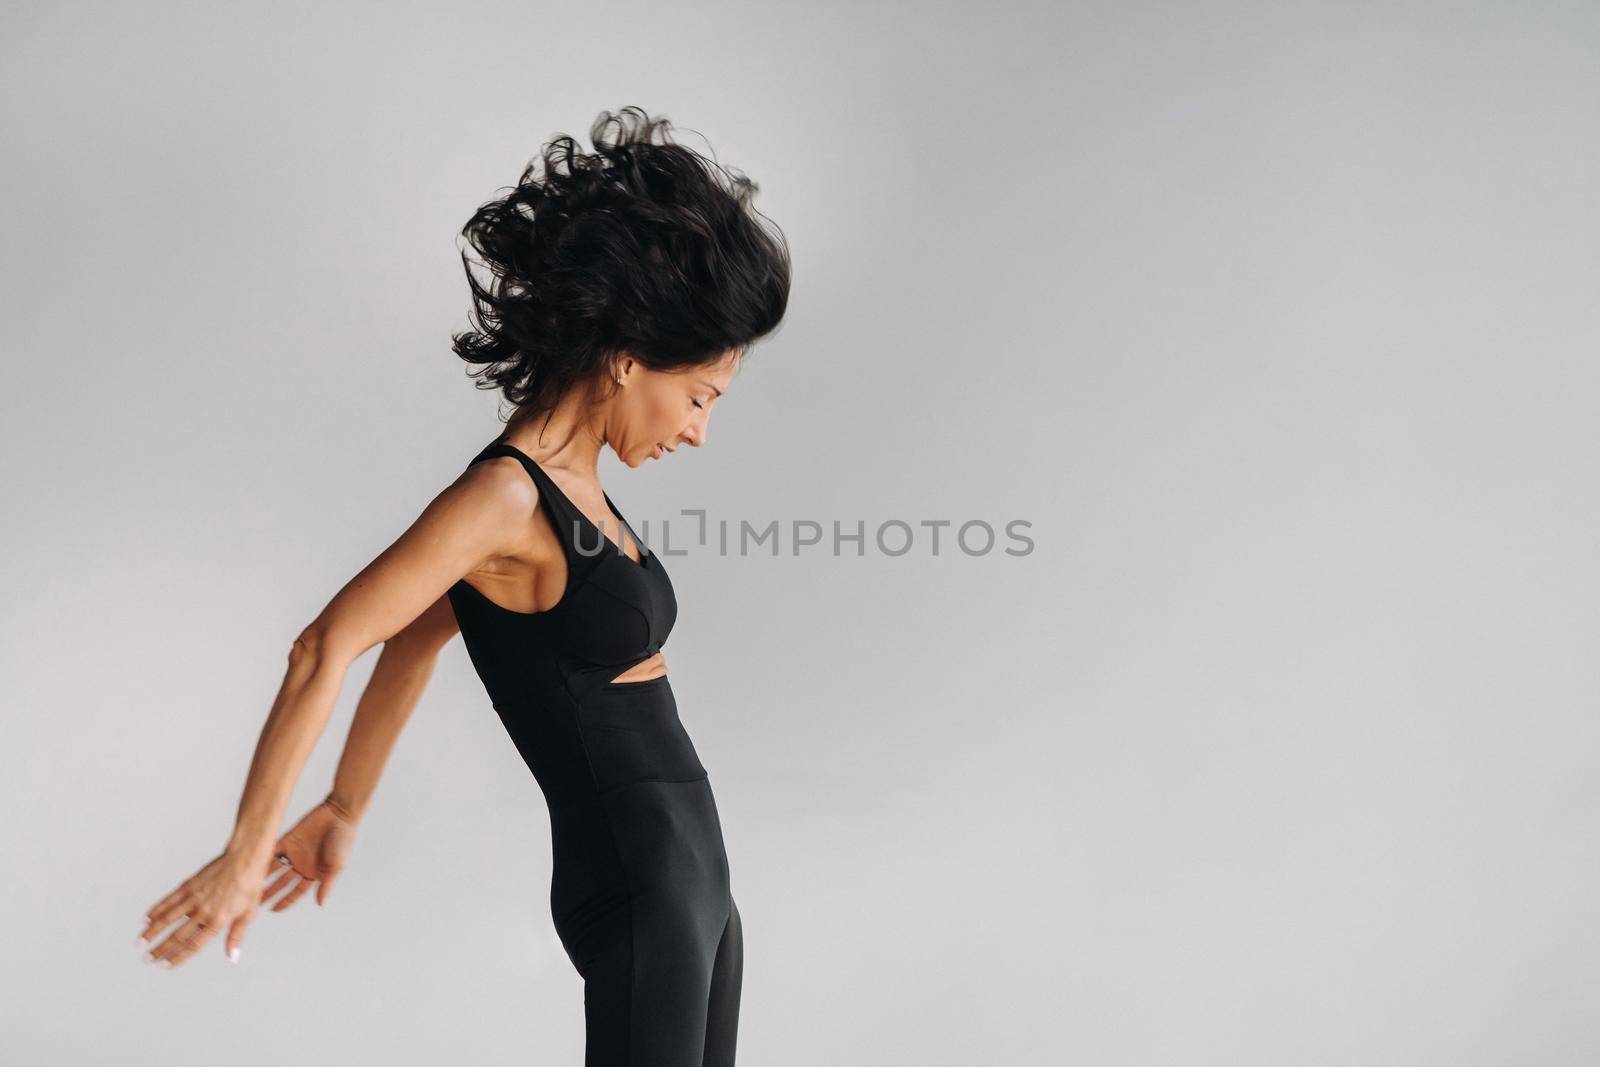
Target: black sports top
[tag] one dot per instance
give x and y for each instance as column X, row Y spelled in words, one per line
column 614, row 613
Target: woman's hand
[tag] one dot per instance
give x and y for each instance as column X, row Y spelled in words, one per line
column 317, row 848
column 222, row 894
column 227, row 890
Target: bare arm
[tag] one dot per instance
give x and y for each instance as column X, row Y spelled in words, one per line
column 404, row 668
column 475, row 519
column 318, row 847
column 480, row 517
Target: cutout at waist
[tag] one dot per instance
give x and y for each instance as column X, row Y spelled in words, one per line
column 647, row 670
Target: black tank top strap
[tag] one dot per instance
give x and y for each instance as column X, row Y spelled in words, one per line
column 626, row 525
column 564, row 514
column 546, row 486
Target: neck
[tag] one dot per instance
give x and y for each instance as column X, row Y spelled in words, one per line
column 568, row 437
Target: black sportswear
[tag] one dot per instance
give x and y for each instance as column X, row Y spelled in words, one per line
column 639, row 885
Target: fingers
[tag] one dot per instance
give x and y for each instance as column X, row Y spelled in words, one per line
column 288, row 875
column 166, row 903
column 235, row 941
column 325, row 887
column 216, row 898
column 163, row 915
column 189, row 923
column 294, row 894
column 298, row 881
column 183, row 942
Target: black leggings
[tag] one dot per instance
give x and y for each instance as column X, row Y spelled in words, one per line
column 640, row 890
column 683, row 1014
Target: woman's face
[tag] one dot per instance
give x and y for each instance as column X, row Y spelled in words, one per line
column 656, row 411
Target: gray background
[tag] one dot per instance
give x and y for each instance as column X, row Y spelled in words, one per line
column 1276, row 322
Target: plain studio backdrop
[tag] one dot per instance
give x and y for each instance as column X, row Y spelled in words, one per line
column 1275, row 323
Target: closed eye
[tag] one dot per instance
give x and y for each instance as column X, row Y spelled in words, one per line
column 699, row 405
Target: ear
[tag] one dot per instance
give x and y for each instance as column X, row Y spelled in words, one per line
column 619, row 365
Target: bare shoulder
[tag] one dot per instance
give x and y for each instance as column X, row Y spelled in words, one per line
column 477, row 519
column 497, row 495
column 498, row 480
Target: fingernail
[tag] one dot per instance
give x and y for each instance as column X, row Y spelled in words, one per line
column 233, row 953
column 149, row 957
column 166, row 963
column 144, row 942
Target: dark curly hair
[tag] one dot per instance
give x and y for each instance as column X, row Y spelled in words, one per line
column 642, row 246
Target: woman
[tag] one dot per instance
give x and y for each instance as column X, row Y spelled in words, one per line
column 626, row 286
